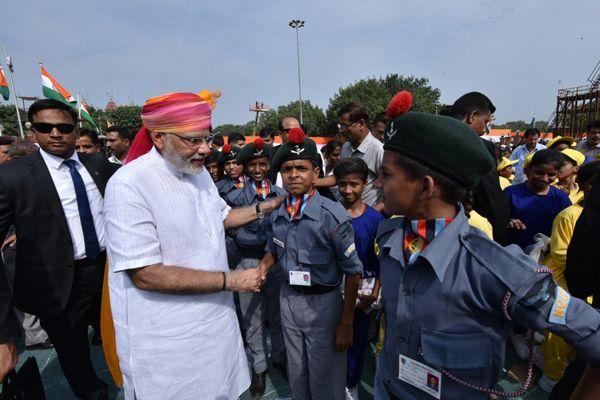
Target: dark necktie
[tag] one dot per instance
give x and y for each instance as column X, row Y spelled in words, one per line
column 92, row 248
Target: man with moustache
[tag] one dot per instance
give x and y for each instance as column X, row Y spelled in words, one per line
column 170, row 285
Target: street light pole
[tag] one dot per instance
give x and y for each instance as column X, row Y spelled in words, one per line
column 297, row 24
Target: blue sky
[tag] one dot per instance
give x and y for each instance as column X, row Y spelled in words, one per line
column 517, row 52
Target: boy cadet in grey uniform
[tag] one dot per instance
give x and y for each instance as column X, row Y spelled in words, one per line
column 234, row 178
column 251, row 240
column 451, row 295
column 313, row 241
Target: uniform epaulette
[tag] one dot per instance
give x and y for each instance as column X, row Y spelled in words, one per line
column 508, row 264
column 232, row 196
column 336, row 209
column 388, row 225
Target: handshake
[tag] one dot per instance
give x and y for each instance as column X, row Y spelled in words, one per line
column 247, row 280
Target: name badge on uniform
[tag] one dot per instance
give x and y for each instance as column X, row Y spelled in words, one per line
column 300, row 278
column 420, row 376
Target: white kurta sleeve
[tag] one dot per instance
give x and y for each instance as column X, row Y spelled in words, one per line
column 132, row 240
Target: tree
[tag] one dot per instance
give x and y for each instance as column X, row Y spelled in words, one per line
column 226, row 129
column 313, row 117
column 8, row 119
column 375, row 93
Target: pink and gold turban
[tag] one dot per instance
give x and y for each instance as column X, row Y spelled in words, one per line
column 173, row 113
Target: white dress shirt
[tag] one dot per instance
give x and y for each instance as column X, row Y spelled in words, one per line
column 370, row 151
column 66, row 192
column 171, row 346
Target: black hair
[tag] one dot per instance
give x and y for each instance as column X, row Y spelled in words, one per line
column 453, row 191
column 218, row 140
column 212, row 157
column 593, row 125
column 51, row 104
column 531, row 132
column 234, row 137
column 548, row 156
column 265, row 132
column 351, row 165
column 330, row 146
column 446, row 111
column 587, row 172
column 122, row 131
column 6, row 140
column 469, row 103
column 20, row 148
column 91, row 134
column 381, row 117
column 355, row 112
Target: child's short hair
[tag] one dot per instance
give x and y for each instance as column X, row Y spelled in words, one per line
column 588, row 172
column 547, row 156
column 452, row 190
column 351, row 165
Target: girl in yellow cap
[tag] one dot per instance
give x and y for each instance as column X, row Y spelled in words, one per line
column 506, row 171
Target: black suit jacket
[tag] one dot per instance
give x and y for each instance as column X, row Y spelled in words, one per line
column 490, row 202
column 44, row 257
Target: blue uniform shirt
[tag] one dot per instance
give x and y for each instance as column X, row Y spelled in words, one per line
column 321, row 241
column 253, row 234
column 365, row 231
column 535, row 211
column 445, row 308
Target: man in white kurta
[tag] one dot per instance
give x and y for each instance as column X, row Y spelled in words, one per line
column 176, row 329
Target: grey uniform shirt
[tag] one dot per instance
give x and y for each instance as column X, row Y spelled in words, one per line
column 445, row 309
column 371, row 152
column 321, row 241
column 252, row 235
column 590, row 152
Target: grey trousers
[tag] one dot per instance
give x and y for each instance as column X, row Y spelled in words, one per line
column 252, row 321
column 272, row 312
column 316, row 371
column 32, row 330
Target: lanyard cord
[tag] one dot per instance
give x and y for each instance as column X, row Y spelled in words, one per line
column 530, row 344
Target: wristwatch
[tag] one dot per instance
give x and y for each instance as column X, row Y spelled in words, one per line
column 259, row 213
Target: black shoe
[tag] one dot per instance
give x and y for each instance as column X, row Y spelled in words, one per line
column 282, row 368
column 258, row 385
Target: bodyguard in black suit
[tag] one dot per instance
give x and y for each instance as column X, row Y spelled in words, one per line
column 54, row 200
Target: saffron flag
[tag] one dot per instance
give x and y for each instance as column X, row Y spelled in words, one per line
column 4, row 90
column 54, row 90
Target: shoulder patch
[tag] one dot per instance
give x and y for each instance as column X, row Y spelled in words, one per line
column 338, row 211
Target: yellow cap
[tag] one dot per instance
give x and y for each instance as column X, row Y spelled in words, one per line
column 560, row 139
column 505, row 163
column 574, row 155
column 528, row 159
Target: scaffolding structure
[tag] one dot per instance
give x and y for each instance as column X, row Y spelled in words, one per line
column 576, row 107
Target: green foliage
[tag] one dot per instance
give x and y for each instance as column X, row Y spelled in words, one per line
column 226, row 129
column 521, row 125
column 129, row 116
column 375, row 93
column 8, row 119
column 313, row 117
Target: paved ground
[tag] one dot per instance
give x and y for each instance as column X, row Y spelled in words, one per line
column 57, row 388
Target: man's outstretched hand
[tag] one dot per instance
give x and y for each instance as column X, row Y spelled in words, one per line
column 8, row 358
column 246, row 280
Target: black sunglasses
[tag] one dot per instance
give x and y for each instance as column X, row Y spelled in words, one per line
column 44, row 127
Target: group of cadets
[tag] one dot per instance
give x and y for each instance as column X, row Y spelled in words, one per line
column 450, row 297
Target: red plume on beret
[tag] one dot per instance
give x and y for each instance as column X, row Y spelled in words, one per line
column 226, row 148
column 296, row 136
column 399, row 105
column 259, row 143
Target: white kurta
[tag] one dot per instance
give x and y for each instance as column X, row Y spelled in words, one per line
column 171, row 346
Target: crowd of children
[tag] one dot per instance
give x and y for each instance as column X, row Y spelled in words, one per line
column 309, row 246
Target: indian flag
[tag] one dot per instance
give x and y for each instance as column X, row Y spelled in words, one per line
column 4, row 90
column 54, row 90
column 85, row 114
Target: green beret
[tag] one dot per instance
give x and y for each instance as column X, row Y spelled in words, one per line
column 256, row 149
column 228, row 153
column 443, row 144
column 298, row 147
column 212, row 157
